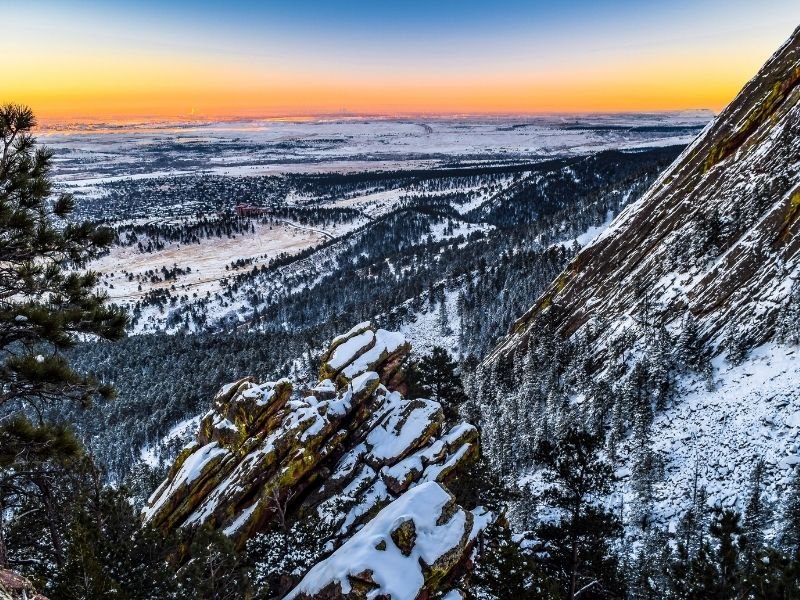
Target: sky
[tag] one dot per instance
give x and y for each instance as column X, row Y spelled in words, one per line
column 125, row 59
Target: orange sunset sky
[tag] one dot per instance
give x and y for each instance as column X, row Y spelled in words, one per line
column 102, row 60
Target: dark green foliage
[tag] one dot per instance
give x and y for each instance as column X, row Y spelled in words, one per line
column 478, row 484
column 728, row 566
column 647, row 571
column 215, row 571
column 435, row 376
column 715, row 571
column 281, row 556
column 756, row 515
column 45, row 306
column 692, row 352
column 576, row 541
column 110, row 555
column 646, row 471
column 504, row 571
column 23, row 442
column 790, row 538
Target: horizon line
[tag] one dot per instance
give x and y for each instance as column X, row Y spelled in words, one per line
column 299, row 116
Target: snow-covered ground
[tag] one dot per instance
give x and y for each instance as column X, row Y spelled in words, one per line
column 752, row 413
column 434, row 326
column 207, row 260
column 180, row 434
column 711, row 438
column 89, row 153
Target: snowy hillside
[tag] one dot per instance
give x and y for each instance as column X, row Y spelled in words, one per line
column 675, row 331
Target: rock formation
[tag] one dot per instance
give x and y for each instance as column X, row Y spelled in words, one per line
column 685, row 318
column 14, row 586
column 352, row 445
column 716, row 236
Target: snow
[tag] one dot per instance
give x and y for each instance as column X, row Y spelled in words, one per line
column 363, row 381
column 326, row 386
column 151, row 454
column 386, row 342
column 361, row 326
column 434, row 472
column 397, row 576
column 190, row 470
column 375, row 495
column 752, row 411
column 90, row 153
column 207, row 260
column 402, row 430
column 458, row 433
column 588, row 236
column 414, row 462
column 482, row 518
column 424, row 330
column 240, row 520
column 348, row 350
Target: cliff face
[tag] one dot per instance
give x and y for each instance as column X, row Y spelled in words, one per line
column 679, row 323
column 351, row 445
column 716, row 236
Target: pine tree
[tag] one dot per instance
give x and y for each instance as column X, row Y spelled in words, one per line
column 691, row 349
column 663, row 377
column 790, row 534
column 726, row 530
column 215, row 571
column 736, row 345
column 45, row 303
column 787, row 328
column 444, row 320
column 577, row 543
column 755, row 516
column 646, row 471
column 436, row 376
column 648, row 575
column 504, row 571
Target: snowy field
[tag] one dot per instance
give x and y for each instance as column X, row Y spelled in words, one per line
column 89, row 153
column 153, row 173
column 207, row 260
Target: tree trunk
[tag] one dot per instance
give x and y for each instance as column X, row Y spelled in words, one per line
column 574, row 568
column 51, row 514
column 3, row 552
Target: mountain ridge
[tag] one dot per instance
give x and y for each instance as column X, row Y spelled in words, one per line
column 750, row 137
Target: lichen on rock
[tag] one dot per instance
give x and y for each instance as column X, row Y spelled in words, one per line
column 350, row 447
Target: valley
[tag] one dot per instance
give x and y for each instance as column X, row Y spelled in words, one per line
column 416, row 357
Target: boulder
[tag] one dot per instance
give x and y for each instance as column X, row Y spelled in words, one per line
column 14, row 586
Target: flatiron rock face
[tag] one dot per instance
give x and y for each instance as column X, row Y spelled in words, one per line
column 705, row 265
column 716, row 236
column 351, row 444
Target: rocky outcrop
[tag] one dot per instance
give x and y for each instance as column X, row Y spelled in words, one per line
column 410, row 545
column 14, row 586
column 352, row 446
